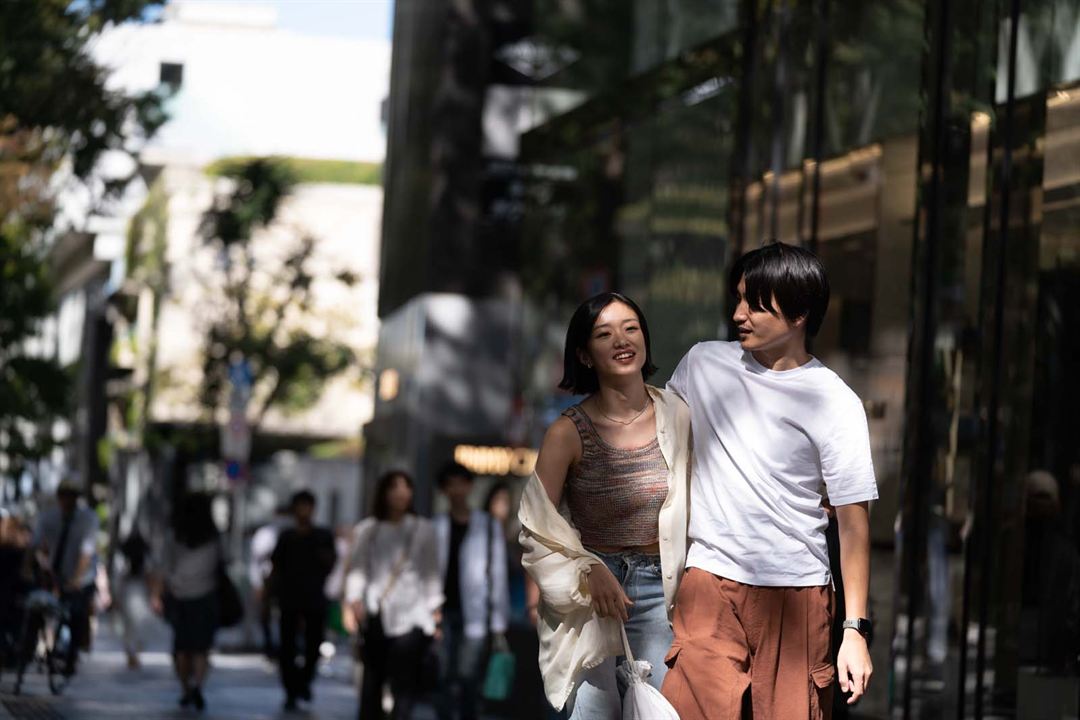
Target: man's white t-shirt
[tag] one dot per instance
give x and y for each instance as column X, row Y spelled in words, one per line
column 765, row 442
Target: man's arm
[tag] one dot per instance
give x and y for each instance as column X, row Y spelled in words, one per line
column 853, row 661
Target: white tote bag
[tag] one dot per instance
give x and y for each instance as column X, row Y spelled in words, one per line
column 642, row 701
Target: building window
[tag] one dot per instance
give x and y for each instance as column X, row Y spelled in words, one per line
column 172, row 74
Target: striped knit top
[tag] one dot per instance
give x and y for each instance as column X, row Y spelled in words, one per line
column 615, row 495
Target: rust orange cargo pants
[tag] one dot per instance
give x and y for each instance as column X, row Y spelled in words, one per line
column 770, row 644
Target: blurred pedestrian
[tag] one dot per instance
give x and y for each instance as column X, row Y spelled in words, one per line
column 499, row 505
column 131, row 594
column 618, row 460
column 394, row 592
column 186, row 592
column 263, row 542
column 472, row 562
column 302, row 561
column 65, row 539
column 15, row 580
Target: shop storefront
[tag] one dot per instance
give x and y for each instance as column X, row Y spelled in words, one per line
column 929, row 152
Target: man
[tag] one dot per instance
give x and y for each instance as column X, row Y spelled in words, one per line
column 65, row 540
column 263, row 542
column 472, row 559
column 772, row 426
column 303, row 559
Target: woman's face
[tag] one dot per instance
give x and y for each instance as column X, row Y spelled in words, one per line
column 616, row 346
column 500, row 506
column 399, row 496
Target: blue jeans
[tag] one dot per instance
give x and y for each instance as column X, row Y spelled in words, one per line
column 598, row 695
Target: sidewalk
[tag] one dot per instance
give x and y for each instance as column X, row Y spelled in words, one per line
column 240, row 687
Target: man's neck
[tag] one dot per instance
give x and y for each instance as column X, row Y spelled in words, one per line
column 783, row 357
column 460, row 513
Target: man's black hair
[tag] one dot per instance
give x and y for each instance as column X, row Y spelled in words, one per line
column 450, row 470
column 792, row 275
column 303, row 496
column 578, row 378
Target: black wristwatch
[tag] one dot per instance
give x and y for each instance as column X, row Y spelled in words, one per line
column 862, row 626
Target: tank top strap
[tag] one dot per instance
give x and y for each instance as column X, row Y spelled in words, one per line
column 585, row 428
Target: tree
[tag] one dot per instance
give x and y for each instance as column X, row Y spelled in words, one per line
column 56, row 114
column 260, row 307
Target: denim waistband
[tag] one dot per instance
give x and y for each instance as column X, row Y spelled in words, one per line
column 629, row 557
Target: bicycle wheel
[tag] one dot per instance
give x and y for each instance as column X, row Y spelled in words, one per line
column 57, row 651
column 27, row 644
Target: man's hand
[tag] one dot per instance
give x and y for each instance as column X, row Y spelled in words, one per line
column 608, row 598
column 854, row 665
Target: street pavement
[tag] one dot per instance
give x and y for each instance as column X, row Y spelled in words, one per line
column 240, row 687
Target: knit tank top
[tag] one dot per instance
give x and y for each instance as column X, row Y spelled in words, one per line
column 615, row 495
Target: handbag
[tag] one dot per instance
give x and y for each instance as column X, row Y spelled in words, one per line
column 499, row 676
column 641, row 701
column 230, row 606
column 501, row 664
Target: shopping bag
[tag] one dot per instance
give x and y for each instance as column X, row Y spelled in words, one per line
column 641, row 701
column 499, row 677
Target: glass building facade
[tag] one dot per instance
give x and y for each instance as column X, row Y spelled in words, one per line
column 927, row 150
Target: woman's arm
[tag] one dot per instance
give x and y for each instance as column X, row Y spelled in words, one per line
column 356, row 570
column 560, row 450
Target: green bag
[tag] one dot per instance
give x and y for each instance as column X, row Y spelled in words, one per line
column 499, row 678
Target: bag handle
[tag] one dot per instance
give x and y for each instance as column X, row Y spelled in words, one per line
column 399, row 566
column 626, row 645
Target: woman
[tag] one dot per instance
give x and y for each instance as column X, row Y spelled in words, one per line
column 618, row 463
column 132, row 602
column 186, row 591
column 499, row 505
column 394, row 593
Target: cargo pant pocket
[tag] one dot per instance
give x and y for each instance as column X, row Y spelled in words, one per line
column 821, row 690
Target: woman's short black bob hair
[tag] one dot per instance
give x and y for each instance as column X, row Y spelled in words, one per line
column 794, row 276
column 577, row 377
column 381, row 508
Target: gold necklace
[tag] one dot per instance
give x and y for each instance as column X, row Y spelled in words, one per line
column 624, row 422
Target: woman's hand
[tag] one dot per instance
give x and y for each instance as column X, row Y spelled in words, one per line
column 608, row 598
column 354, row 616
column 157, row 605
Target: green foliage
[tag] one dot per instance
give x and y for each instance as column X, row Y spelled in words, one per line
column 49, row 81
column 310, row 170
column 33, row 389
column 262, row 302
column 55, row 106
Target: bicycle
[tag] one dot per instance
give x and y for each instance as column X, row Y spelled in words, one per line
column 46, row 639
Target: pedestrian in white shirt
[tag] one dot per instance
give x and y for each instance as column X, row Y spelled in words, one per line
column 263, row 542
column 65, row 538
column 393, row 591
column 772, row 427
column 472, row 561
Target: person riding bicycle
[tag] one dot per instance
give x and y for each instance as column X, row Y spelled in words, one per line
column 65, row 543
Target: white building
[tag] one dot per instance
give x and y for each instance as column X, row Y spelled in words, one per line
column 240, row 86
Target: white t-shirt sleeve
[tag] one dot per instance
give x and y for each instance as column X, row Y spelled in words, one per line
column 847, row 465
column 680, row 379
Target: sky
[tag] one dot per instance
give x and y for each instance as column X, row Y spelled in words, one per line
column 357, row 19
